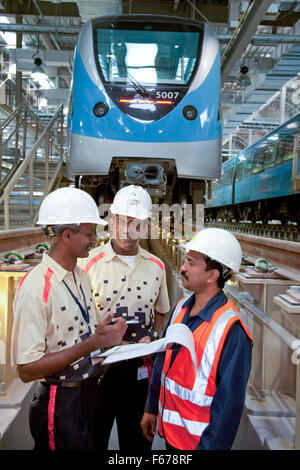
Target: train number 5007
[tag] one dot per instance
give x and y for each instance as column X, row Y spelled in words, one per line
column 171, row 95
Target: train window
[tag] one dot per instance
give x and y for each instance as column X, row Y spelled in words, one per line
column 147, row 57
column 284, row 150
column 263, row 159
column 230, row 176
column 248, row 166
column 239, row 171
column 227, row 177
column 223, row 177
column 216, row 184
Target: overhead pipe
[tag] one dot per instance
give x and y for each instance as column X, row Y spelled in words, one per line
column 264, row 39
column 257, row 39
column 72, row 30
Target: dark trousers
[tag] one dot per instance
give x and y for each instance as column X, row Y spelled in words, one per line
column 122, row 397
column 63, row 418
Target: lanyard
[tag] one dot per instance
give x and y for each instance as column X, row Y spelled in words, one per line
column 84, row 312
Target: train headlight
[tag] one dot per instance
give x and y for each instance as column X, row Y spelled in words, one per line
column 100, row 109
column 190, row 112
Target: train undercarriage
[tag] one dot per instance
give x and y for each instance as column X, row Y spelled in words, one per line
column 158, row 177
column 284, row 209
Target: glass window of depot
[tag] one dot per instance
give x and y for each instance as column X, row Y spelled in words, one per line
column 149, row 57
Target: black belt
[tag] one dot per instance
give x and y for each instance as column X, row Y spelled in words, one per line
column 63, row 384
column 70, row 384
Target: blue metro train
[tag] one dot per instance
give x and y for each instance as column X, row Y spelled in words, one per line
column 262, row 183
column 144, row 105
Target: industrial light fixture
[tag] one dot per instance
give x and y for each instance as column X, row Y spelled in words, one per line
column 38, row 71
column 243, row 78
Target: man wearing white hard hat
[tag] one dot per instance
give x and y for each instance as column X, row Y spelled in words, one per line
column 201, row 410
column 56, row 327
column 131, row 282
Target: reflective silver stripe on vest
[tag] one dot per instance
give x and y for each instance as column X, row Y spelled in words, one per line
column 173, row 417
column 197, row 397
column 179, row 307
column 197, row 394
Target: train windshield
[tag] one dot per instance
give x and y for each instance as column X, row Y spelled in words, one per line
column 148, row 57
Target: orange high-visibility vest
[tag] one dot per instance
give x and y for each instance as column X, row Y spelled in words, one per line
column 185, row 394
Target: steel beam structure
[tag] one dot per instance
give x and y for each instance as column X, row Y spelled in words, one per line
column 243, row 37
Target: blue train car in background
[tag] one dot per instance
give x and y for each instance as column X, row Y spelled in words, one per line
column 262, row 182
column 144, row 106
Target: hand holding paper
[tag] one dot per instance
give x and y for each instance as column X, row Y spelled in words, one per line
column 177, row 333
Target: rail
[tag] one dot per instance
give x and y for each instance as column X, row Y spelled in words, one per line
column 20, row 240
column 288, row 339
column 283, row 254
column 263, row 356
column 19, row 121
column 289, row 232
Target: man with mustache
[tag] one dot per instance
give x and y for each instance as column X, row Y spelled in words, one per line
column 132, row 282
column 56, row 327
column 201, row 410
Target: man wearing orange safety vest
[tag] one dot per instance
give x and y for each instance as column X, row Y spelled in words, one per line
column 198, row 410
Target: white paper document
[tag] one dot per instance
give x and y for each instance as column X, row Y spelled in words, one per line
column 177, row 333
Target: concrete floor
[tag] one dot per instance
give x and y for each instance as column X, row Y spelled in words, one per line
column 158, row 442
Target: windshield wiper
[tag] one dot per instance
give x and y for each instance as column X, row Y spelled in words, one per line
column 132, row 81
column 137, row 86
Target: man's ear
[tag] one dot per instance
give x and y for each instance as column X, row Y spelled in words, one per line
column 145, row 228
column 110, row 223
column 213, row 275
column 112, row 226
column 67, row 235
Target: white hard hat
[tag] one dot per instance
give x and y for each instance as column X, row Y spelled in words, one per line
column 132, row 201
column 219, row 245
column 69, row 206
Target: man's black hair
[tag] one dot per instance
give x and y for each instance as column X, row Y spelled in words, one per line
column 225, row 274
column 54, row 230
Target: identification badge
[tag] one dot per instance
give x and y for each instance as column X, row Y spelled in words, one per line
column 142, row 373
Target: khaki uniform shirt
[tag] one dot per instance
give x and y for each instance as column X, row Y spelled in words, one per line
column 47, row 319
column 131, row 292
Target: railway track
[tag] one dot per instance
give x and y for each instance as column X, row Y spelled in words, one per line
column 281, row 253
column 22, row 240
column 284, row 254
column 277, row 243
column 288, row 232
